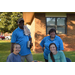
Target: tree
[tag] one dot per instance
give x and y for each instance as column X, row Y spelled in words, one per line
column 8, row 21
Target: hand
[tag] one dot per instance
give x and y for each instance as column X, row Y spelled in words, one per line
column 31, row 44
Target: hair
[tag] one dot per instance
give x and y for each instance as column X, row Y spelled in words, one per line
column 51, row 54
column 15, row 44
column 52, row 30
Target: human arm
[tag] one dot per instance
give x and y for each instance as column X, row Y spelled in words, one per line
column 13, row 40
column 62, row 57
column 42, row 44
column 49, row 58
column 43, row 48
column 10, row 58
column 31, row 44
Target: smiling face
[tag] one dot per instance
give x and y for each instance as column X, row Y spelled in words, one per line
column 16, row 49
column 52, row 34
column 53, row 48
column 21, row 24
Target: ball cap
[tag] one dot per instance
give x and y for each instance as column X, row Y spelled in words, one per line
column 20, row 19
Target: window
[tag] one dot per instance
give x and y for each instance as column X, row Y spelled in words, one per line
column 59, row 23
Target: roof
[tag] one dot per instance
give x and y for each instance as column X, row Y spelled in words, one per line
column 28, row 16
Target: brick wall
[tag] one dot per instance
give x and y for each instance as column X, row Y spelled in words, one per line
column 38, row 29
column 69, row 38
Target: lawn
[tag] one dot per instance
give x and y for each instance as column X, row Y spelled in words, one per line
column 5, row 46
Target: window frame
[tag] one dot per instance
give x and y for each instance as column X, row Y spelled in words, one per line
column 56, row 24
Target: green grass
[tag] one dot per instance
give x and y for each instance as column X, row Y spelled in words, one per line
column 5, row 46
column 4, row 50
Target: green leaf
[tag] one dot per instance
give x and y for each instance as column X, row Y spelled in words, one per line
column 8, row 21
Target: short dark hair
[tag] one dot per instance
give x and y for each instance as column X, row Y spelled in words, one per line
column 52, row 30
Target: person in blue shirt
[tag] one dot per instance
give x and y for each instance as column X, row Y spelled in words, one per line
column 18, row 36
column 54, row 55
column 15, row 57
column 52, row 38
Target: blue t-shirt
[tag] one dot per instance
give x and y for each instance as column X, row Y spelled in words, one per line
column 19, row 37
column 47, row 41
column 13, row 58
column 59, row 57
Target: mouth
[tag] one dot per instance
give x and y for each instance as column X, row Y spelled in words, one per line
column 17, row 50
column 53, row 50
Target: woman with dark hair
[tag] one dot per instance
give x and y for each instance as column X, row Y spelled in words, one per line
column 52, row 38
column 54, row 55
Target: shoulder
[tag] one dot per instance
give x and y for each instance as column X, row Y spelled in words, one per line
column 60, row 52
column 16, row 30
column 49, row 55
column 57, row 37
column 46, row 37
column 11, row 54
column 10, row 57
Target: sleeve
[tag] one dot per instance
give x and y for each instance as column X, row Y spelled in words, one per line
column 42, row 42
column 14, row 37
column 10, row 58
column 62, row 56
column 61, row 44
column 49, row 58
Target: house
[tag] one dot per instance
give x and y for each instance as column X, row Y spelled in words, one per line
column 41, row 22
